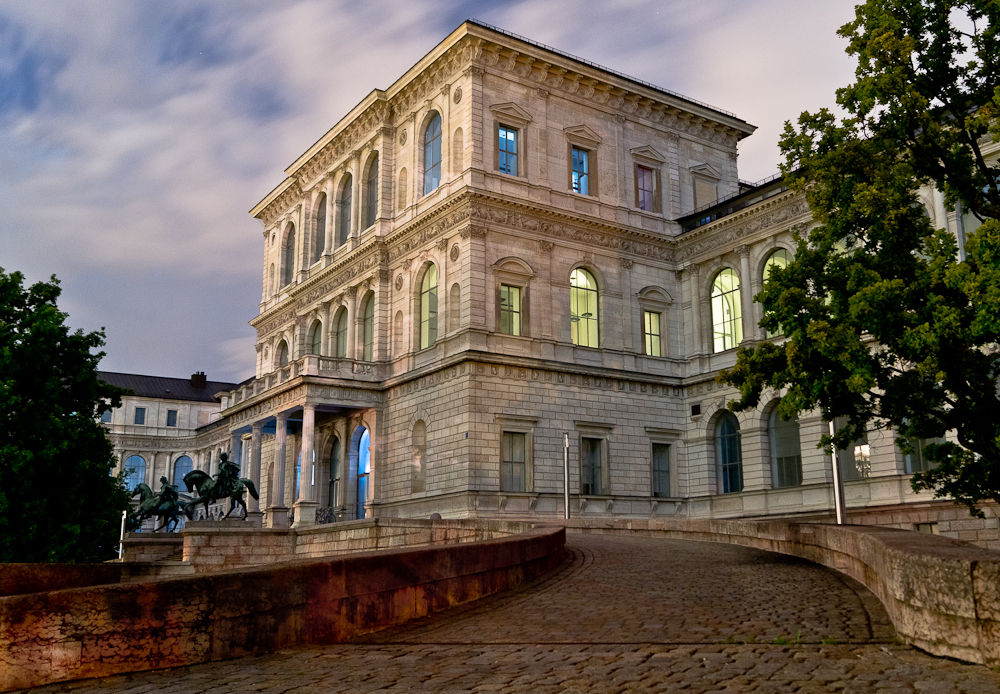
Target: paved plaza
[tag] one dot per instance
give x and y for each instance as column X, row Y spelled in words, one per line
column 622, row 614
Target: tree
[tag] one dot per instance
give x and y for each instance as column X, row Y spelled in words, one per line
column 886, row 322
column 58, row 499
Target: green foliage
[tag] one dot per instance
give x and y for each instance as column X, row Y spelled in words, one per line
column 886, row 324
column 58, row 499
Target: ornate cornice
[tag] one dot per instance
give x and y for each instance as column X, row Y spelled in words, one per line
column 781, row 210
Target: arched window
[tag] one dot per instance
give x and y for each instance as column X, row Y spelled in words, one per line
column 429, row 307
column 319, row 238
column 298, row 475
column 288, row 257
column 335, row 474
column 371, row 193
column 340, row 325
column 780, row 258
column 786, row 450
column 432, row 154
column 135, row 471
column 368, row 328
column 364, row 471
column 344, row 208
column 727, row 326
column 282, row 356
column 583, row 308
column 418, row 450
column 315, row 337
column 729, row 453
column 182, row 466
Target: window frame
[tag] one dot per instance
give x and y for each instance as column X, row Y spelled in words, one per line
column 502, row 153
column 287, row 250
column 371, row 191
column 723, row 466
column 777, row 477
column 173, row 468
column 731, row 336
column 174, row 413
column 319, row 227
column 668, row 438
column 368, row 328
column 515, row 321
column 576, row 184
column 652, row 342
column 593, row 324
column 594, row 432
column 429, row 186
column 314, row 338
column 136, row 478
column 345, row 199
column 139, row 417
column 341, row 329
column 428, row 314
column 765, row 273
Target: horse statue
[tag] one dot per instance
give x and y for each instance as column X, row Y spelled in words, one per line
column 227, row 483
column 165, row 504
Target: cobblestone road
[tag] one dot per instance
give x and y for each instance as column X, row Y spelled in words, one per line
column 622, row 614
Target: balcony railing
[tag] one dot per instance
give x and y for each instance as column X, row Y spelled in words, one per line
column 309, row 365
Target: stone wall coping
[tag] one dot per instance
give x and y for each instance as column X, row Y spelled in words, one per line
column 942, row 594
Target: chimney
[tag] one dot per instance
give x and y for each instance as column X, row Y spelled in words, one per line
column 198, row 380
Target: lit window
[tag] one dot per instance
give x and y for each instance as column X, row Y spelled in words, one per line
column 580, row 171
column 507, row 150
column 512, row 461
column 182, row 466
column 140, row 415
column 651, row 330
column 510, row 310
column 729, row 453
column 341, row 323
column 369, row 328
column 645, row 188
column 780, row 259
column 344, row 203
column 727, row 326
column 319, row 241
column 432, row 155
column 591, row 466
column 428, row 307
column 786, row 451
column 583, row 300
column 364, row 471
column 661, row 470
column 171, row 418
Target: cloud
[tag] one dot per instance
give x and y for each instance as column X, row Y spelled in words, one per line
column 137, row 135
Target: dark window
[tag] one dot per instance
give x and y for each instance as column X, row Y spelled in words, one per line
column 135, row 471
column 661, row 469
column 729, row 453
column 140, row 415
column 342, row 333
column 335, row 474
column 591, row 466
column 432, row 155
column 171, row 418
column 645, row 188
column 319, row 242
column 786, row 451
column 106, row 417
column 581, row 171
column 512, row 459
column 507, row 150
column 344, row 203
column 371, row 193
column 315, row 337
column 288, row 257
column 369, row 329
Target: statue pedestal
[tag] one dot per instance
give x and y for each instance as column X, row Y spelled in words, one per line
column 255, row 518
column 305, row 514
column 277, row 517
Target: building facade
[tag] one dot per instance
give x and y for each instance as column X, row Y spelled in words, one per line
column 511, row 253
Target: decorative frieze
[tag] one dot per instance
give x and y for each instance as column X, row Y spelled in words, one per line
column 722, row 234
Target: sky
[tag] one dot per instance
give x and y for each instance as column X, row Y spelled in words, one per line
column 135, row 136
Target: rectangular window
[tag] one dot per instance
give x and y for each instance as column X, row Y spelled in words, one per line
column 580, row 171
column 591, row 466
column 916, row 461
column 510, row 310
column 645, row 185
column 140, row 415
column 856, row 460
column 106, row 417
column 507, row 150
column 171, row 418
column 512, row 459
column 661, row 469
column 651, row 328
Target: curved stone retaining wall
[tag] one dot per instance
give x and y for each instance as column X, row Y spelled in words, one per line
column 942, row 595
column 97, row 631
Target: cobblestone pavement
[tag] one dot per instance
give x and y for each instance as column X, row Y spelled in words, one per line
column 622, row 614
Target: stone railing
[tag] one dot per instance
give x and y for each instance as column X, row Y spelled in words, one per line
column 942, row 595
column 310, row 365
column 109, row 629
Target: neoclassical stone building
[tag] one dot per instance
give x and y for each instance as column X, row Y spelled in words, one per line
column 508, row 251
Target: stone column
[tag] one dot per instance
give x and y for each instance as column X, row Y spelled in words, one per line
column 305, row 505
column 277, row 512
column 746, row 295
column 235, row 442
column 253, row 505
